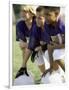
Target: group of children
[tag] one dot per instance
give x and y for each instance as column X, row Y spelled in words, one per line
column 41, row 34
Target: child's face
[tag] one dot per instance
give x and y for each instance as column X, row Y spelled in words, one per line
column 40, row 19
column 26, row 15
column 51, row 17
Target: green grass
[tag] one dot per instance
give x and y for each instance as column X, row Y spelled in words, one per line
column 17, row 58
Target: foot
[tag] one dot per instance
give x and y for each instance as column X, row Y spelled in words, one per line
column 21, row 71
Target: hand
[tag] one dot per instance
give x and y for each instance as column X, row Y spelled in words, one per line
column 42, row 42
column 53, row 45
column 55, row 39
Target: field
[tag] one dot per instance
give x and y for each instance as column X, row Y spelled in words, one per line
column 17, row 58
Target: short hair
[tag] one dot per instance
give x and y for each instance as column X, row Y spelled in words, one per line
column 40, row 8
column 28, row 8
column 52, row 8
column 49, row 8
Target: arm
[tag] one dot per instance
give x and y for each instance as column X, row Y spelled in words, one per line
column 60, row 43
column 50, row 52
column 58, row 46
column 20, row 34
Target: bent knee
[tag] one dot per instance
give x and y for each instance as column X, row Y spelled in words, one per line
column 21, row 47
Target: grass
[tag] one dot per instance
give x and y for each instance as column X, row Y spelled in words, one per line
column 17, row 58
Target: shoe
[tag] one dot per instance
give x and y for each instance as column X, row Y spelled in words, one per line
column 21, row 71
column 33, row 56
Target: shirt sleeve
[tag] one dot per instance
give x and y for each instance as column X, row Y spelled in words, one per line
column 62, row 27
column 20, row 34
column 47, row 34
column 47, row 38
column 34, row 39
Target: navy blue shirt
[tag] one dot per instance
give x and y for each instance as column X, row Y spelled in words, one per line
column 45, row 36
column 22, row 30
column 59, row 28
column 38, row 35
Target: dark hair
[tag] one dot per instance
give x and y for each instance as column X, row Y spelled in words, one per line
column 52, row 8
column 40, row 8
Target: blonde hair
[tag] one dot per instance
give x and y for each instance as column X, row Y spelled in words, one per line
column 28, row 8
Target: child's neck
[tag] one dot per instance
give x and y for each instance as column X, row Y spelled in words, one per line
column 53, row 23
column 29, row 23
column 43, row 26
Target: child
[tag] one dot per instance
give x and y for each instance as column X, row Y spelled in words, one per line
column 56, row 30
column 23, row 31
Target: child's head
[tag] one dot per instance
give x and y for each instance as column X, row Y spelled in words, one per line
column 27, row 12
column 40, row 16
column 51, row 13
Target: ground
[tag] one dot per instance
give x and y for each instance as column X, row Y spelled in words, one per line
column 17, row 58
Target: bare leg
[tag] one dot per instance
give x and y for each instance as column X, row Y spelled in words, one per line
column 50, row 51
column 61, row 63
column 55, row 66
column 26, row 56
column 42, row 68
column 23, row 69
column 23, row 54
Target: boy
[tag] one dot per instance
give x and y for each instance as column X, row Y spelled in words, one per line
column 23, row 32
column 40, row 35
column 56, row 30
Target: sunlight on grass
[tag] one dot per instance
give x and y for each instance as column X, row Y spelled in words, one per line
column 17, row 58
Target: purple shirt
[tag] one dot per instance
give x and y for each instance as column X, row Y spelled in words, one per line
column 59, row 28
column 38, row 35
column 22, row 30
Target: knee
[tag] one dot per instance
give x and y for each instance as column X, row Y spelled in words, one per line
column 21, row 45
column 22, row 48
